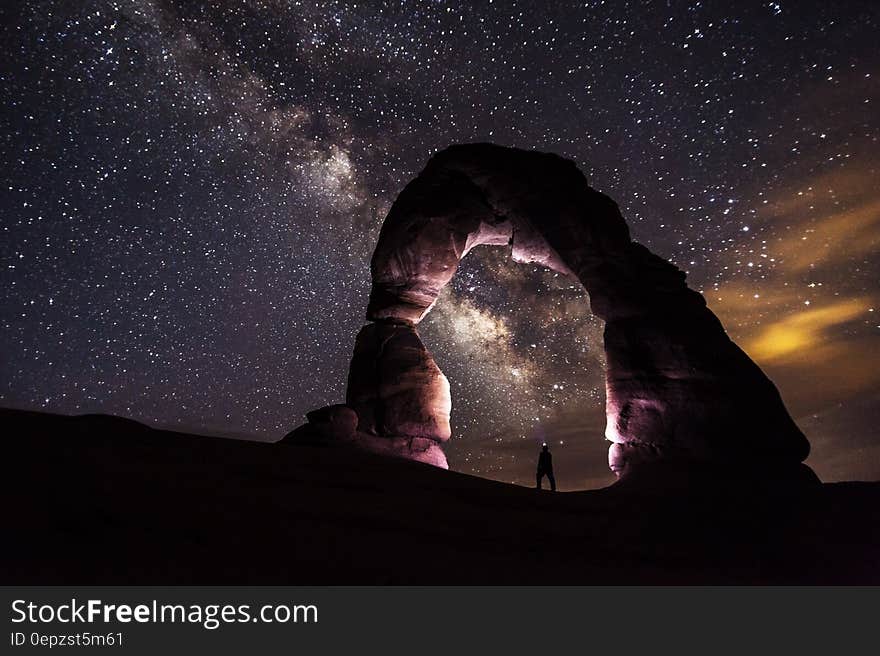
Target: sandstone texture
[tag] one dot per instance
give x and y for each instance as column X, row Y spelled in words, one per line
column 395, row 386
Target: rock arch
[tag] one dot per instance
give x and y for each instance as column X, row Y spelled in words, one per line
column 678, row 390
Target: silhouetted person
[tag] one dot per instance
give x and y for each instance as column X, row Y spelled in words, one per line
column 545, row 468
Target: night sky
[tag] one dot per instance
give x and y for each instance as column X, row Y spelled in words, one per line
column 191, row 192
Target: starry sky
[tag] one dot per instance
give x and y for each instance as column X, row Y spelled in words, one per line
column 191, row 192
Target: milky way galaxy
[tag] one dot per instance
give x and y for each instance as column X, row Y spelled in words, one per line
column 192, row 191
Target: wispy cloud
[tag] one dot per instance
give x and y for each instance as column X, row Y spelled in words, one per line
column 832, row 219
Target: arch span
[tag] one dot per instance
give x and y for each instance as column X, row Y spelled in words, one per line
column 678, row 389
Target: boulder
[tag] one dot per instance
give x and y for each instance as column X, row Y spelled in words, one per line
column 336, row 426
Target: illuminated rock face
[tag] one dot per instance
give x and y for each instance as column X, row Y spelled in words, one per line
column 395, row 387
column 679, row 390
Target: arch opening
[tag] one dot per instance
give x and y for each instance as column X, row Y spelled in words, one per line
column 524, row 358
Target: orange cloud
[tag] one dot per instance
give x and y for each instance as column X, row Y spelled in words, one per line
column 803, row 334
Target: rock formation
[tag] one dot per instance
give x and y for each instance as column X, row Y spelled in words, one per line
column 679, row 391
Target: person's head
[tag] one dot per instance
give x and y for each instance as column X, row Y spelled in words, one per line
column 545, row 448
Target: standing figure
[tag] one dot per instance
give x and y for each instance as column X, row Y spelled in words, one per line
column 545, row 468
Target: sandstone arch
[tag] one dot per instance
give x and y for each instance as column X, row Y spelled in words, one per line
column 679, row 391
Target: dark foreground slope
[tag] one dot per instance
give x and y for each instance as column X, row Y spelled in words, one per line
column 95, row 500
